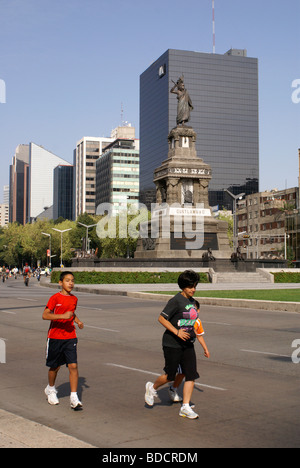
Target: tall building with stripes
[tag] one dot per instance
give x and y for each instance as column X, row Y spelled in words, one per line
column 224, row 94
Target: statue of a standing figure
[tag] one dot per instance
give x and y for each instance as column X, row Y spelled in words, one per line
column 185, row 106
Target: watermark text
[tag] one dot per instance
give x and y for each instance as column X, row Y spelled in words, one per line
column 296, row 353
column 296, row 93
column 2, row 351
column 183, row 222
column 2, row 92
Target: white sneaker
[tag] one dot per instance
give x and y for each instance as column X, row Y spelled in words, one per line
column 174, row 395
column 75, row 402
column 150, row 394
column 187, row 412
column 51, row 394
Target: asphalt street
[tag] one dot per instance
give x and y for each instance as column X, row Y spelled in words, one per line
column 248, row 394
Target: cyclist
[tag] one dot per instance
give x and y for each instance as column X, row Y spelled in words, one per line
column 26, row 274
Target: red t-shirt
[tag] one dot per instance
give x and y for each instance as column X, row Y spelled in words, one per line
column 60, row 304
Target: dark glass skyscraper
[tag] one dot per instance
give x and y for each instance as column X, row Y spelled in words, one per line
column 224, row 93
column 63, row 192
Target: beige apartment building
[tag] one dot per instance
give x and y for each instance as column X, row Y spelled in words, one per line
column 4, row 214
column 262, row 223
column 88, row 150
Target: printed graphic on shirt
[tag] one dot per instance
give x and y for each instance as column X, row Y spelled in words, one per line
column 188, row 321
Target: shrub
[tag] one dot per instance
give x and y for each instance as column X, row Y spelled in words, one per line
column 96, row 277
column 283, row 277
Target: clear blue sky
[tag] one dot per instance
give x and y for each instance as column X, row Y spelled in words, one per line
column 69, row 64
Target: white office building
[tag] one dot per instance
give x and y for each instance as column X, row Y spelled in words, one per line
column 4, row 217
column 87, row 151
column 41, row 166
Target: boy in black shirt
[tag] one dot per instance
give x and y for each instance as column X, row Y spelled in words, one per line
column 179, row 317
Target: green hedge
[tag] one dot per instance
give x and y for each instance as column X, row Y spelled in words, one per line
column 96, row 277
column 287, row 277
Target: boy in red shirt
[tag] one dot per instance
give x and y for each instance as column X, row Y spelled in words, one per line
column 62, row 339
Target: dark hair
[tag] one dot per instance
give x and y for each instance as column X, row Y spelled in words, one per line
column 64, row 274
column 187, row 279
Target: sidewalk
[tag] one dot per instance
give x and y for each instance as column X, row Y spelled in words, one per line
column 145, row 292
column 123, row 289
column 17, row 432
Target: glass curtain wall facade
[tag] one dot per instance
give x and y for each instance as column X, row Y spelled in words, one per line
column 117, row 175
column 63, row 192
column 224, row 92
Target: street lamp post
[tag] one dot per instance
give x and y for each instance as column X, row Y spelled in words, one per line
column 235, row 224
column 61, row 243
column 87, row 232
column 48, row 235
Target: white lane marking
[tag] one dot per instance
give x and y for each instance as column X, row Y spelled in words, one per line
column 263, row 352
column 100, row 328
column 88, row 308
column 157, row 375
column 8, row 312
column 217, row 323
column 29, row 300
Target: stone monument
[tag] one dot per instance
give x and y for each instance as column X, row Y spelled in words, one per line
column 182, row 225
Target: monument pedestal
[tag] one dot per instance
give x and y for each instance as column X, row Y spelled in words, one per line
column 182, row 224
column 183, row 236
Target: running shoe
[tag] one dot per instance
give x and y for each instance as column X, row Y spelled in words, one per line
column 175, row 397
column 51, row 394
column 150, row 394
column 75, row 402
column 187, row 412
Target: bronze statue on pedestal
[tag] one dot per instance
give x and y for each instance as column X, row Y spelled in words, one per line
column 185, row 105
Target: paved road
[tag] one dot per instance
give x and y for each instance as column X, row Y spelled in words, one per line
column 247, row 396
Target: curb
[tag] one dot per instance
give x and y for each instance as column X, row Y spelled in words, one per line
column 223, row 302
column 212, row 301
column 87, row 289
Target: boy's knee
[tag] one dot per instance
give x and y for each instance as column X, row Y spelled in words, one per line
column 72, row 366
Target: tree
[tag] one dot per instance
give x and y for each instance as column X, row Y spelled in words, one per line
column 119, row 234
column 79, row 232
column 227, row 216
column 67, row 243
column 11, row 244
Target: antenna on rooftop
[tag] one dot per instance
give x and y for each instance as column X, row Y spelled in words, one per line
column 122, row 115
column 214, row 28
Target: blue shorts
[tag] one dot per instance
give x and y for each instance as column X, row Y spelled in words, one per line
column 60, row 352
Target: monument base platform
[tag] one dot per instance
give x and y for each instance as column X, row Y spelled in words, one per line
column 183, row 237
column 219, row 265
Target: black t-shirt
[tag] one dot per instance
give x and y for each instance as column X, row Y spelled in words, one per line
column 182, row 314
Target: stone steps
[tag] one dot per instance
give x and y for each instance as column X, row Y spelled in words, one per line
column 247, row 278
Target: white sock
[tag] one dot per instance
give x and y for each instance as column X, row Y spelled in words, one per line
column 73, row 394
column 186, row 405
